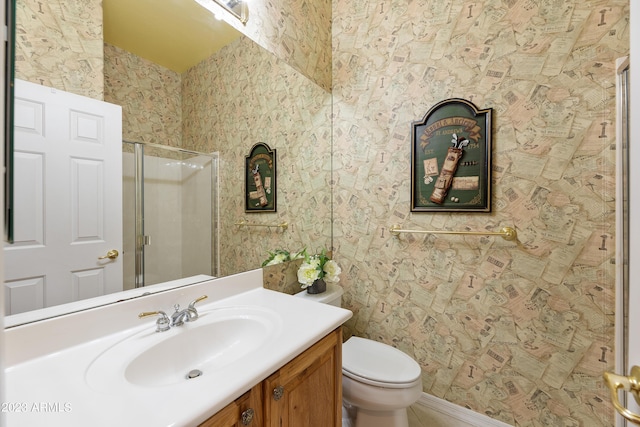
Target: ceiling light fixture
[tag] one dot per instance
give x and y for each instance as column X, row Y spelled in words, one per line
column 219, row 8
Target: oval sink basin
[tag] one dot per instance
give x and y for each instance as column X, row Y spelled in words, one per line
column 217, row 339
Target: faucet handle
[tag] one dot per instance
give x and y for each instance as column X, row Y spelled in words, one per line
column 162, row 324
column 191, row 310
column 197, row 300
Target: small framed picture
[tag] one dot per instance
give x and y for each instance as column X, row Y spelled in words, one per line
column 260, row 179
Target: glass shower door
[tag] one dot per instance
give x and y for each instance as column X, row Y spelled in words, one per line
column 171, row 215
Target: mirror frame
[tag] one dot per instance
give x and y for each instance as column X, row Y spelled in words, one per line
column 9, row 76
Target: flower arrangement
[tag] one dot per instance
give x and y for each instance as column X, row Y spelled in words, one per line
column 280, row 255
column 318, row 266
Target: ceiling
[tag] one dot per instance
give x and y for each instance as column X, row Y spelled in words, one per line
column 176, row 34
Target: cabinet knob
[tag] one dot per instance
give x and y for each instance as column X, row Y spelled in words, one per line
column 278, row 392
column 247, row 416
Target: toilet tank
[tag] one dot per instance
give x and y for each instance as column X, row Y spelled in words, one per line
column 332, row 296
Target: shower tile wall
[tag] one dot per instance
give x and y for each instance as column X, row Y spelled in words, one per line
column 518, row 331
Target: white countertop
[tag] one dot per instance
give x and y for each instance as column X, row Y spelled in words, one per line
column 47, row 361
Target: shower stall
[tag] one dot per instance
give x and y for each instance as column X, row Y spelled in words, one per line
column 170, row 214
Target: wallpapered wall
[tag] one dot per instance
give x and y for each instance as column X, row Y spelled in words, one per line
column 520, row 331
column 60, row 44
column 239, row 97
column 268, row 100
column 298, row 32
column 150, row 96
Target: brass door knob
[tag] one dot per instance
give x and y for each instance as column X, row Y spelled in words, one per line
column 112, row 254
column 630, row 384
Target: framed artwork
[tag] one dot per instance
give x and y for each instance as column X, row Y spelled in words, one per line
column 260, row 179
column 451, row 159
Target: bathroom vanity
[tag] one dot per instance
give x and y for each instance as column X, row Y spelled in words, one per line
column 263, row 358
column 305, row 392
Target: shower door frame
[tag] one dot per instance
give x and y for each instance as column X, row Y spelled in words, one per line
column 622, row 226
column 142, row 240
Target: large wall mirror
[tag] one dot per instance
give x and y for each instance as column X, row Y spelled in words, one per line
column 209, row 110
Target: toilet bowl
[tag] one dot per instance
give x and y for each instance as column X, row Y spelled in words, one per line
column 379, row 382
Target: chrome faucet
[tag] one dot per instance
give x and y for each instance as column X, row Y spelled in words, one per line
column 164, row 323
column 189, row 314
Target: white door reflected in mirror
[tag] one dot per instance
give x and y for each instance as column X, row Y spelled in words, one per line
column 67, row 210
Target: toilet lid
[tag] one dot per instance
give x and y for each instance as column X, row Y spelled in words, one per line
column 378, row 362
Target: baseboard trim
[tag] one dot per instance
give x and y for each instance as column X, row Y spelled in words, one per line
column 457, row 412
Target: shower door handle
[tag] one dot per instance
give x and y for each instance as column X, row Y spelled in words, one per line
column 630, row 384
column 112, row 254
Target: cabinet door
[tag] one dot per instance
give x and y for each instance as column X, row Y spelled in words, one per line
column 244, row 411
column 307, row 392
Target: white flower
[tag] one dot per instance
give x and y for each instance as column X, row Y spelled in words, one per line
column 315, row 262
column 277, row 259
column 318, row 266
column 332, row 271
column 308, row 273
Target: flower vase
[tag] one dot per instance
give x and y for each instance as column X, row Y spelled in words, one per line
column 317, row 287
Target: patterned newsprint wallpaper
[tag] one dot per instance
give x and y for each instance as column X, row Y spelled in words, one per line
column 59, row 44
column 150, row 96
column 297, row 32
column 239, row 97
column 243, row 96
column 520, row 331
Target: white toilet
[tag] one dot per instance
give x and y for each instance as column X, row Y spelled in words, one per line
column 379, row 382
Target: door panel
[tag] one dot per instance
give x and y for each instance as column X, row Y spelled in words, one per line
column 67, row 199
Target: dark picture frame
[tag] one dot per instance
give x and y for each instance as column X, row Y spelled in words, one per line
column 260, row 179
column 451, row 158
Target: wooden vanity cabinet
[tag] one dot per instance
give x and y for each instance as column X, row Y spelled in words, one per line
column 244, row 411
column 306, row 392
